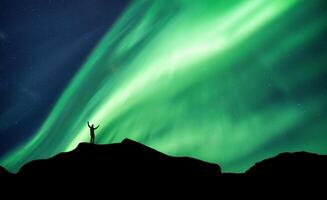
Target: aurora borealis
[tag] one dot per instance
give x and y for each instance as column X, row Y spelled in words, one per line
column 227, row 82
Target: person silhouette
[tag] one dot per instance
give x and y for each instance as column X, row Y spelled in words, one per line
column 92, row 132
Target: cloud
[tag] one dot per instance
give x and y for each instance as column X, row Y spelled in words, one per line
column 3, row 36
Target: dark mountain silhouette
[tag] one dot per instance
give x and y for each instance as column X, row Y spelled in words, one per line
column 129, row 162
column 126, row 160
column 4, row 173
column 298, row 164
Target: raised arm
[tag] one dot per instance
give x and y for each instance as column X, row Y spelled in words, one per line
column 88, row 124
column 96, row 127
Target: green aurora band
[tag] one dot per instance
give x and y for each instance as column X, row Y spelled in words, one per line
column 229, row 82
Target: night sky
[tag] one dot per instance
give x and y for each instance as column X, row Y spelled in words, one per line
column 43, row 44
column 226, row 82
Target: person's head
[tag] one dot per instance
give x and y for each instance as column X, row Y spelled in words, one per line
column 92, row 125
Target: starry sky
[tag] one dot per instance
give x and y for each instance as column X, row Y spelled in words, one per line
column 229, row 83
column 43, row 43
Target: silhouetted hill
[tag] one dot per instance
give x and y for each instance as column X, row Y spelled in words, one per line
column 127, row 160
column 131, row 162
column 298, row 164
column 4, row 173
